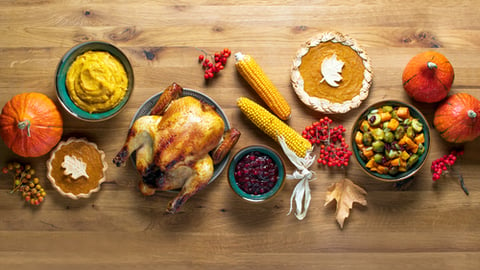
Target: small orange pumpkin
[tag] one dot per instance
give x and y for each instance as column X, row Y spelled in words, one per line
column 30, row 124
column 457, row 119
column 428, row 77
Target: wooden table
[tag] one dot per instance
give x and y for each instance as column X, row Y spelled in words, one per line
column 427, row 226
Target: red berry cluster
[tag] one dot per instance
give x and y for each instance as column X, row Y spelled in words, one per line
column 442, row 165
column 333, row 147
column 213, row 67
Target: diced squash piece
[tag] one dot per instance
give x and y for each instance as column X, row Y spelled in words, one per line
column 365, row 126
column 404, row 155
column 393, row 124
column 367, row 152
column 405, row 140
column 403, row 165
column 403, row 112
column 402, row 140
column 395, row 162
column 371, row 164
column 385, row 116
column 420, row 138
column 410, row 143
column 382, row 169
column 414, row 149
column 359, row 138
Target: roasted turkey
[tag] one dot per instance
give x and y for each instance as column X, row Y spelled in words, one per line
column 177, row 145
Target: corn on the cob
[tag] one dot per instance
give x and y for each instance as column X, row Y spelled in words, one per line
column 254, row 75
column 273, row 127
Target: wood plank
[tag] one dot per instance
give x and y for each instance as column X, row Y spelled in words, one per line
column 430, row 225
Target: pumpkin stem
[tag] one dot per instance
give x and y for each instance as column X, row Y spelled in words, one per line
column 471, row 114
column 431, row 65
column 25, row 124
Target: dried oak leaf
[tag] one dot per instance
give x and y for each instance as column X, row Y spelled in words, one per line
column 345, row 192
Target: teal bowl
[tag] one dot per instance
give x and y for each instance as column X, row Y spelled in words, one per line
column 61, row 75
column 411, row 171
column 250, row 196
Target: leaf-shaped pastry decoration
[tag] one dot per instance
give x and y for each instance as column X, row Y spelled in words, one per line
column 331, row 69
column 345, row 192
column 74, row 166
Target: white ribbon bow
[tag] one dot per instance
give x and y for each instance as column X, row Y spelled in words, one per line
column 301, row 193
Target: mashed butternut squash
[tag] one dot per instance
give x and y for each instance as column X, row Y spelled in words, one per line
column 96, row 81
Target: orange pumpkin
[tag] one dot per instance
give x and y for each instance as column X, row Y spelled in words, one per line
column 457, row 119
column 30, row 124
column 428, row 77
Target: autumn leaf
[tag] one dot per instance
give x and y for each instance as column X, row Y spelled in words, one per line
column 345, row 192
column 331, row 69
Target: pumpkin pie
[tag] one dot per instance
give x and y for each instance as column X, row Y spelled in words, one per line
column 331, row 73
column 76, row 168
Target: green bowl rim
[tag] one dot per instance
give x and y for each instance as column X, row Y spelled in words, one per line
column 61, row 74
column 404, row 175
column 281, row 173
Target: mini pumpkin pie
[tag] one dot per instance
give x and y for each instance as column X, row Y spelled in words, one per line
column 331, row 73
column 76, row 168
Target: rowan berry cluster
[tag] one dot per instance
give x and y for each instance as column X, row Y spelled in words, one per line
column 334, row 150
column 25, row 182
column 442, row 165
column 215, row 64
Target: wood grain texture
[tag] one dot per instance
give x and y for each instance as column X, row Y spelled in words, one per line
column 427, row 226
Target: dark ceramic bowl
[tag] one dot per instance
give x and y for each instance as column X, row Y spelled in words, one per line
column 411, row 171
column 61, row 75
column 250, row 196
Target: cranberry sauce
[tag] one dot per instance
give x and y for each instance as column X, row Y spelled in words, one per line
column 256, row 173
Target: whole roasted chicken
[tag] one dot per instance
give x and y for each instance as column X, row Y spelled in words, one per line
column 177, row 145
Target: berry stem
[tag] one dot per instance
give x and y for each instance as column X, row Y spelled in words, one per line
column 460, row 180
column 202, row 50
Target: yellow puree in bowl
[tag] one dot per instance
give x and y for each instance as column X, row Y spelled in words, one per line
column 96, row 81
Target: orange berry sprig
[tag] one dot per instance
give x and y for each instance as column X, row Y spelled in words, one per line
column 215, row 63
column 25, row 182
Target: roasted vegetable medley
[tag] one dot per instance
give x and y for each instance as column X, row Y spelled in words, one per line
column 390, row 140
